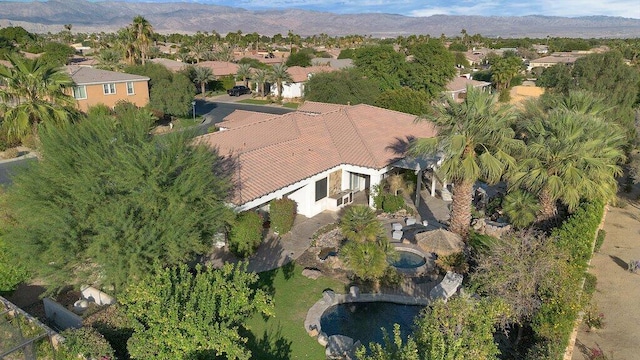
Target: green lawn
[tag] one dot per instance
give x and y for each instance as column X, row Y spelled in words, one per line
column 283, row 336
column 291, row 105
column 182, row 123
column 255, row 101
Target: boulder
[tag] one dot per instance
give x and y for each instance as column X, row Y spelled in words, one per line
column 311, row 273
column 338, row 346
column 323, row 339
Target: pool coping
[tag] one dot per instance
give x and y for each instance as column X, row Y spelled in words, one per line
column 330, row 298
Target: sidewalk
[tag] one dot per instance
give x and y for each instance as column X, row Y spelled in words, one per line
column 617, row 290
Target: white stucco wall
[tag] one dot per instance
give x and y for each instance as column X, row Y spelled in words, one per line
column 303, row 192
column 289, row 91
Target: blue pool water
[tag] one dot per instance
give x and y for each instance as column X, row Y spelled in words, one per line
column 363, row 321
column 408, row 260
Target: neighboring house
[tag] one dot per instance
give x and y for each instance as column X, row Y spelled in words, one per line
column 549, row 61
column 334, row 63
column 172, row 65
column 220, row 68
column 94, row 86
column 541, row 49
column 299, row 75
column 319, row 155
column 457, row 88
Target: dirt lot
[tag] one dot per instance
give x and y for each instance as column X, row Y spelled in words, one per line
column 618, row 291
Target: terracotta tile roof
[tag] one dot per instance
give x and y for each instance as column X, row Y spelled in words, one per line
column 172, row 65
column 83, row 75
column 240, row 118
column 460, row 83
column 301, row 74
column 220, row 68
column 284, row 149
column 318, row 107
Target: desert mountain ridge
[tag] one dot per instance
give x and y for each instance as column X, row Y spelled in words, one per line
column 183, row 17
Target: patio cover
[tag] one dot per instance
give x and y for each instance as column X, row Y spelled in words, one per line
column 441, row 242
column 416, row 163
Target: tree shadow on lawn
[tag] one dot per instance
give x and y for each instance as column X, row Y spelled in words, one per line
column 272, row 345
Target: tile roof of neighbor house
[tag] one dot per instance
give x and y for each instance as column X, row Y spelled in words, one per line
column 554, row 60
column 220, row 68
column 460, row 83
column 284, row 149
column 172, row 65
column 334, row 63
column 240, row 118
column 301, row 74
column 83, row 75
column 318, row 107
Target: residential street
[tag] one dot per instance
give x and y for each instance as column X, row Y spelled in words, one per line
column 210, row 109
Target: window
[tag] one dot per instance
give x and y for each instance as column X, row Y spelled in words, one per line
column 80, row 92
column 321, row 189
column 130, row 90
column 109, row 88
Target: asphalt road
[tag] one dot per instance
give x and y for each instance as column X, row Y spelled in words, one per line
column 216, row 111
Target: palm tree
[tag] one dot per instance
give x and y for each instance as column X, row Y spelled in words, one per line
column 143, row 32
column 280, row 75
column 359, row 224
column 109, row 59
column 200, row 50
column 476, row 141
column 260, row 76
column 569, row 157
column 203, row 75
column 33, row 94
column 521, row 207
column 244, row 72
column 126, row 42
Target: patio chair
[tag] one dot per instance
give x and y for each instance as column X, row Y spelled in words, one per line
column 396, row 226
column 397, row 235
column 411, row 221
column 425, row 223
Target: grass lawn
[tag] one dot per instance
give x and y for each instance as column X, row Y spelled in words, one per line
column 182, row 123
column 255, row 101
column 291, row 105
column 283, row 336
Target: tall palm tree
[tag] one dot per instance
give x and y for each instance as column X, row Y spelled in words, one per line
column 203, row 75
column 126, row 42
column 143, row 32
column 260, row 76
column 569, row 157
column 33, row 94
column 280, row 76
column 200, row 50
column 477, row 143
column 244, row 73
column 109, row 59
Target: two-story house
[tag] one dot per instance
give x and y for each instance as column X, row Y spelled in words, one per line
column 95, row 86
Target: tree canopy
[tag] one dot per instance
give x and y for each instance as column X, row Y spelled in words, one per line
column 342, row 87
column 383, row 63
column 108, row 200
column 193, row 316
column 431, row 68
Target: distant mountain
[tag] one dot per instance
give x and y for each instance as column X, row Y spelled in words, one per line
column 182, row 17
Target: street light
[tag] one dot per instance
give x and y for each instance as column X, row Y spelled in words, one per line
column 193, row 104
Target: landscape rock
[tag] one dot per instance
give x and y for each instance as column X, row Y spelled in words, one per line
column 338, row 346
column 311, row 273
column 323, row 339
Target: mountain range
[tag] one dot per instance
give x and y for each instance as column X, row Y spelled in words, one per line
column 182, row 17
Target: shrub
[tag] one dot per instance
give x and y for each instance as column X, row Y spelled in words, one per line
column 576, row 234
column 29, row 141
column 246, row 234
column 593, row 318
column 212, row 129
column 505, row 95
column 456, row 262
column 87, row 343
column 589, row 288
column 599, row 240
column 282, row 213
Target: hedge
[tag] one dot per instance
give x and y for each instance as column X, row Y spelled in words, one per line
column 555, row 320
column 282, row 214
column 246, row 234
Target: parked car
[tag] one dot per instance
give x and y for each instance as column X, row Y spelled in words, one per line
column 238, row 90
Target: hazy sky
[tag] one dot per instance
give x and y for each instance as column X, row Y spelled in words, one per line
column 570, row 8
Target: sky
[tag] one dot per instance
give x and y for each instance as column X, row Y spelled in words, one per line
column 568, row 8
